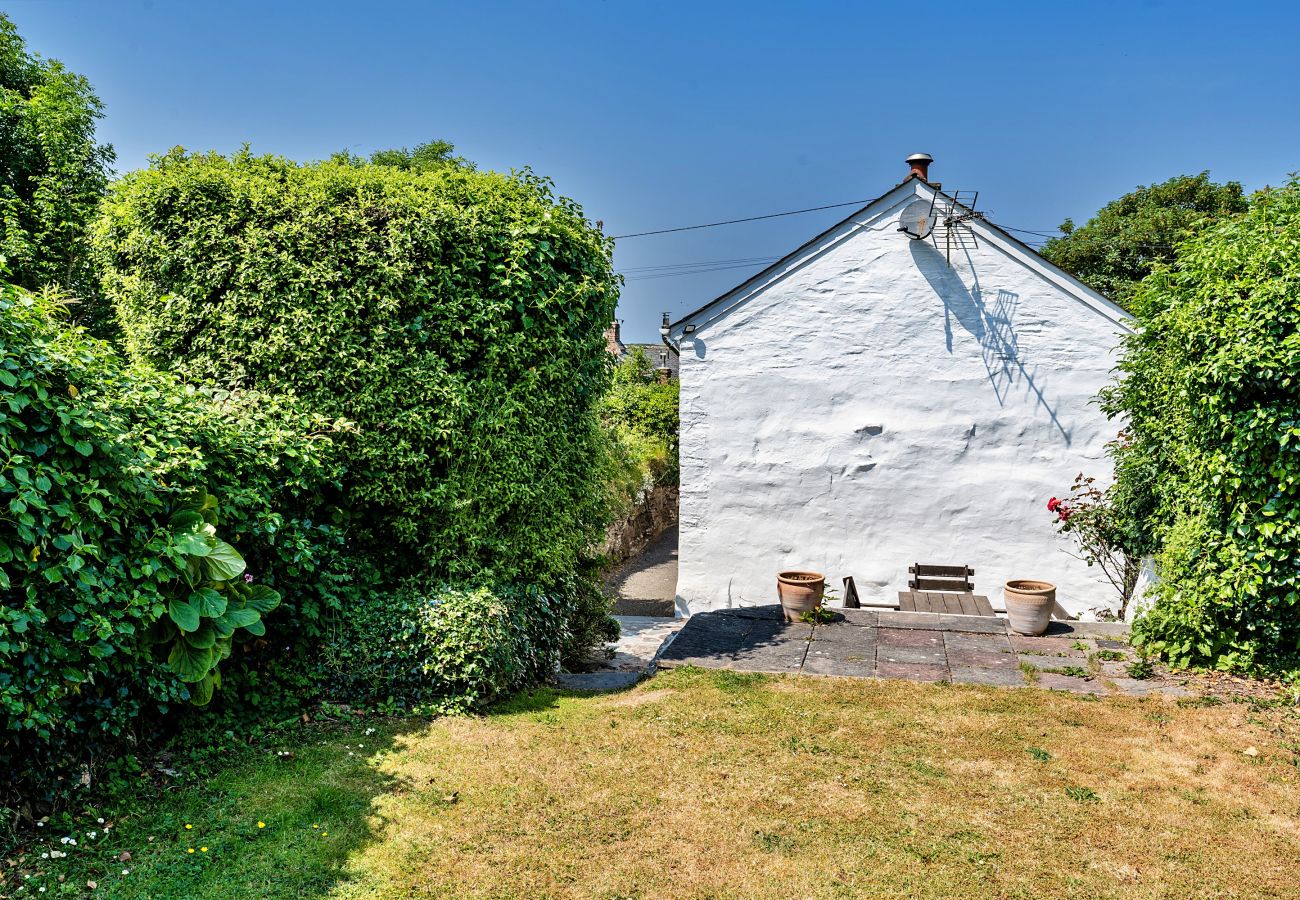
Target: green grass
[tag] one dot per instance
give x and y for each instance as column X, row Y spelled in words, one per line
column 312, row 807
column 714, row 784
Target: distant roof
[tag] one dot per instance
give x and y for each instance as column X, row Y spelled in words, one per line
column 656, row 353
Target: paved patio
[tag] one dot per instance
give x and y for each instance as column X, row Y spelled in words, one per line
column 1081, row 657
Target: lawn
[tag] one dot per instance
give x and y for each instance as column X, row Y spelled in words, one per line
column 711, row 784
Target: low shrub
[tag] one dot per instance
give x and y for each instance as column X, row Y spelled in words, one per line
column 458, row 647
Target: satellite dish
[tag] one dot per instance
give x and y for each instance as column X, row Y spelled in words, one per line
column 917, row 220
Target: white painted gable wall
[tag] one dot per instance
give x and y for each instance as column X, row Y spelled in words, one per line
column 871, row 407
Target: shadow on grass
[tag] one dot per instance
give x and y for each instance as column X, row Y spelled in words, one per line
column 277, row 820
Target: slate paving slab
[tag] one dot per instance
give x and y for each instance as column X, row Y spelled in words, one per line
column 832, row 650
column 862, row 617
column 933, row 655
column 768, row 661
column 1048, row 663
column 984, row 659
column 847, row 667
column 961, row 641
column 1059, row 647
column 904, row 637
column 1109, row 630
column 716, row 623
column 842, row 631
column 911, row 671
column 842, row 647
column 997, row 677
column 770, row 611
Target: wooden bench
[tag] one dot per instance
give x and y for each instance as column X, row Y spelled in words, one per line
column 943, row 589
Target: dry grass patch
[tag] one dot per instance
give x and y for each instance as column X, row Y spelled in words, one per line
column 716, row 784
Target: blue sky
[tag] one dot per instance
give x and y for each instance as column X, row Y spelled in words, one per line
column 655, row 115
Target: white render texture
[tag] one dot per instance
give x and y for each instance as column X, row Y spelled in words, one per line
column 864, row 406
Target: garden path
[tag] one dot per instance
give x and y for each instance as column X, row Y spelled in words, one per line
column 646, row 585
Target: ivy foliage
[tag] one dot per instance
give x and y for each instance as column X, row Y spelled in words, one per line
column 1128, row 237
column 52, row 172
column 454, row 316
column 107, row 527
column 1210, row 387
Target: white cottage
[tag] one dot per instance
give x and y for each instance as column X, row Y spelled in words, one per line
column 874, row 400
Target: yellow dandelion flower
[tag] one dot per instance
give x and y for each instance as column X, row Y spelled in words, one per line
column 315, row 826
column 203, row 849
column 261, row 824
column 188, row 826
column 191, row 850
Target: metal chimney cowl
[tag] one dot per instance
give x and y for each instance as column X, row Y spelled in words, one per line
column 920, row 163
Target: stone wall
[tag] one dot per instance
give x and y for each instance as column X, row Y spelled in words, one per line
column 650, row 518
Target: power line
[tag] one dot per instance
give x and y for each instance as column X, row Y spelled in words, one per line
column 748, row 265
column 792, row 212
column 1046, row 234
column 710, row 262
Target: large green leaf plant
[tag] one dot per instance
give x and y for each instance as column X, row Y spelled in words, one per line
column 212, row 599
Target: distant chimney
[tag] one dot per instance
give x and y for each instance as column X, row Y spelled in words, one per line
column 920, row 163
column 613, row 343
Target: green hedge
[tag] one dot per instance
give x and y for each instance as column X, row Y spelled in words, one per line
column 452, row 647
column 121, row 590
column 455, row 316
column 1210, row 391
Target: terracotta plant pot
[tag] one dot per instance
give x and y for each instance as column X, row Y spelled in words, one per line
column 1029, row 605
column 799, row 592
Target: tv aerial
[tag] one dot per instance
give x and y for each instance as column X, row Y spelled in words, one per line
column 955, row 212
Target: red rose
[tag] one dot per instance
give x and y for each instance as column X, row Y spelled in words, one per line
column 1053, row 504
column 1063, row 514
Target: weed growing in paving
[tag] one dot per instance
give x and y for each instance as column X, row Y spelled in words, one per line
column 1030, row 672
column 1141, row 668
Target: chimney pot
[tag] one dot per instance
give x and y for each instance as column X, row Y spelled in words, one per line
column 920, row 163
column 613, row 340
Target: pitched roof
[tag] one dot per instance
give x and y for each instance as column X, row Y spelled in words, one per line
column 919, row 187
column 653, row 351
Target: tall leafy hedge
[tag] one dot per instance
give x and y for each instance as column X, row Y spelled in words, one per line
column 121, row 588
column 1210, row 387
column 52, row 172
column 454, row 316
